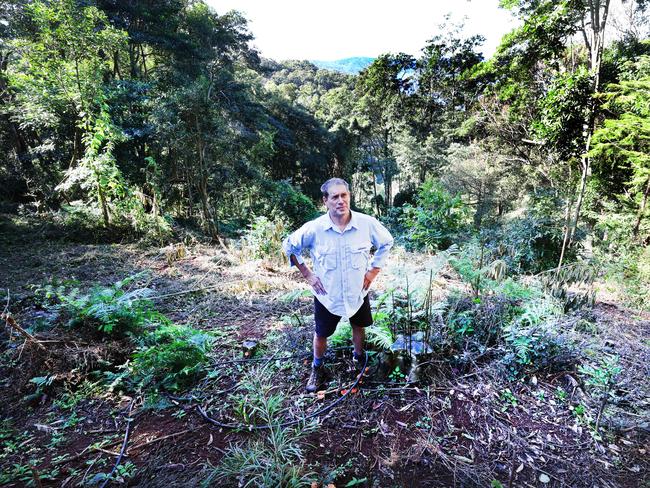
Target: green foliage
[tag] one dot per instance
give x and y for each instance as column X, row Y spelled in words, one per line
column 124, row 472
column 282, row 200
column 573, row 284
column 508, row 398
column 264, row 239
column 520, row 320
column 563, row 112
column 379, row 335
column 534, row 341
column 111, row 310
column 437, row 219
column 623, row 140
column 531, row 242
column 603, row 376
column 629, row 274
column 173, row 357
column 477, row 322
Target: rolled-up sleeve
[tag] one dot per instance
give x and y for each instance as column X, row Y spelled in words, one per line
column 383, row 242
column 297, row 242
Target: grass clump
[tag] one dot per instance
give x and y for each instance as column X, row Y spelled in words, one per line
column 274, row 457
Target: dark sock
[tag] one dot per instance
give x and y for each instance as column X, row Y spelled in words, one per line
column 317, row 363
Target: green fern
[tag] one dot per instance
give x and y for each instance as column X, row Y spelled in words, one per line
column 111, row 310
column 173, row 357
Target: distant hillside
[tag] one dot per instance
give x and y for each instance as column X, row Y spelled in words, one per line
column 348, row 65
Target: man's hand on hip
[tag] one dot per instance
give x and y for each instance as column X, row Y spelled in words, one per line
column 311, row 278
column 370, row 277
column 316, row 284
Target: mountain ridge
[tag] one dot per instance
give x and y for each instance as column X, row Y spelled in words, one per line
column 351, row 65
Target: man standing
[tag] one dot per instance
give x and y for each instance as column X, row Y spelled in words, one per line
column 339, row 243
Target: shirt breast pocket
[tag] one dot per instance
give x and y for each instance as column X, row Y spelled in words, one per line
column 327, row 258
column 359, row 257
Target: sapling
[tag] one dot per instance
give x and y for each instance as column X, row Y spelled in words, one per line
column 602, row 379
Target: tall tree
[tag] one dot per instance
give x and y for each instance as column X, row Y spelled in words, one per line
column 547, row 30
column 383, row 89
column 625, row 135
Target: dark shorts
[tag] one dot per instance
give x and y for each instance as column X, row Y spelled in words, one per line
column 326, row 321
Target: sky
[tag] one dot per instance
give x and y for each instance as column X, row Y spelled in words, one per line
column 336, row 29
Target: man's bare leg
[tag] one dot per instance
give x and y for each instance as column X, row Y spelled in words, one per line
column 358, row 338
column 320, row 346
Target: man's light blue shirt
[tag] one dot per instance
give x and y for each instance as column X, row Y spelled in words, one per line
column 341, row 257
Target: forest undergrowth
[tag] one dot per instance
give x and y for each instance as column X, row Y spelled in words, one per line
column 185, row 365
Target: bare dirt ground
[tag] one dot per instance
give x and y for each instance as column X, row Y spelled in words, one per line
column 458, row 430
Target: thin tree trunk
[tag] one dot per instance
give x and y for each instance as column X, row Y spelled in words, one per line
column 190, row 195
column 565, row 239
column 374, row 189
column 116, row 65
column 586, row 171
column 203, row 184
column 598, row 21
column 639, row 215
column 102, row 201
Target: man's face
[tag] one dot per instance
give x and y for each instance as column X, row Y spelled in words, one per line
column 337, row 201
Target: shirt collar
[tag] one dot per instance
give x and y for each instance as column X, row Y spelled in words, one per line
column 328, row 224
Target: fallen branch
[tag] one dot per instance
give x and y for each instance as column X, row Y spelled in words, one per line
column 124, row 444
column 185, row 292
column 11, row 323
column 158, row 439
column 88, row 449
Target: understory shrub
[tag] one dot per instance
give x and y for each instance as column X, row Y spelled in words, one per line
column 110, row 310
column 378, row 335
column 535, row 340
column 263, row 239
column 281, row 201
column 168, row 356
column 527, row 331
column 528, row 244
column 531, row 241
column 437, row 219
column 478, row 321
column 172, row 358
column 628, row 274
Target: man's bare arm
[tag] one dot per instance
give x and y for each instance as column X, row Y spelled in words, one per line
column 370, row 277
column 311, row 278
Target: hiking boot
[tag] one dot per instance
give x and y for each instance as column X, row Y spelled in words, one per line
column 316, row 378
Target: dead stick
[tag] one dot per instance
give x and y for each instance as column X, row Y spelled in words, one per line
column 10, row 322
column 106, row 451
column 158, row 439
column 129, row 419
column 194, row 290
column 87, row 450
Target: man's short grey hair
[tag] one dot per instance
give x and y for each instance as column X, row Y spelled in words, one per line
column 324, row 189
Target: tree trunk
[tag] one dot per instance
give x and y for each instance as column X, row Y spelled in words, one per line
column 203, row 184
column 374, row 189
column 586, row 171
column 102, row 201
column 565, row 238
column 639, row 215
column 594, row 41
